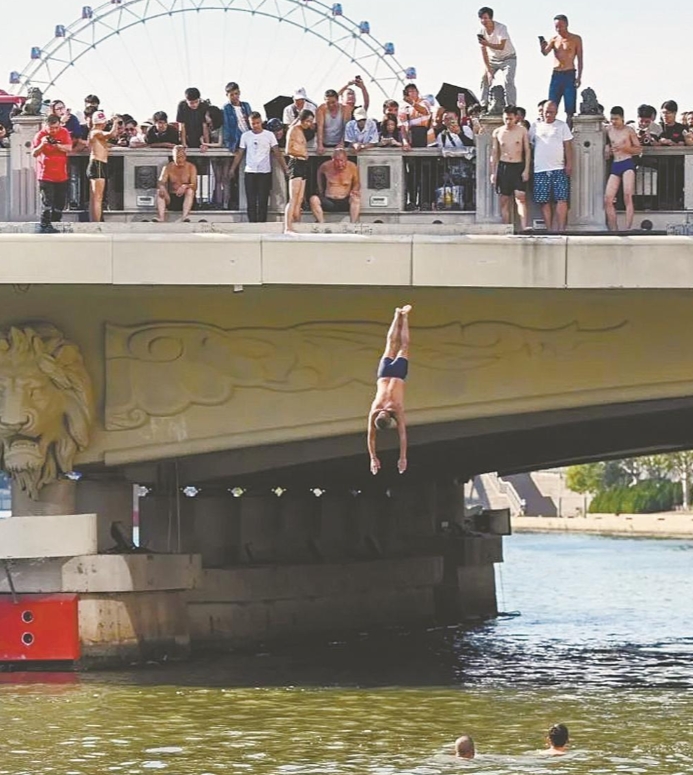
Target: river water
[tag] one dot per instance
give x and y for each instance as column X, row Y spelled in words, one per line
column 603, row 643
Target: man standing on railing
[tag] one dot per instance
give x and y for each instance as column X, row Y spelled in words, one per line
column 622, row 146
column 51, row 147
column 257, row 147
column 177, row 186
column 553, row 165
column 97, row 171
column 566, row 78
column 499, row 56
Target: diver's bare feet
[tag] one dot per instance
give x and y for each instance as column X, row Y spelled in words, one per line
column 406, row 309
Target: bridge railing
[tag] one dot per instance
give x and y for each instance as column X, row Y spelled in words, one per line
column 664, row 180
column 392, row 181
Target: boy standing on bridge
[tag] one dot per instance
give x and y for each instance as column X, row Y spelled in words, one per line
column 387, row 409
column 97, row 171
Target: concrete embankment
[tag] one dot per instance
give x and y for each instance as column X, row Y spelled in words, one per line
column 665, row 525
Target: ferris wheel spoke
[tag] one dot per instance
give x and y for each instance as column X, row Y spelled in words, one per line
column 344, row 35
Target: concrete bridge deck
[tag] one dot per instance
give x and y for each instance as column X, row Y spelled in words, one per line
column 176, row 255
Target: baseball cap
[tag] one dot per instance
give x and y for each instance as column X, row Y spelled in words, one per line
column 99, row 117
column 300, row 94
column 360, row 114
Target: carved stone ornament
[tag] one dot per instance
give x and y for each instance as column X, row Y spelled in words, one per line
column 46, row 405
column 34, row 100
column 590, row 104
column 162, row 369
column 496, row 104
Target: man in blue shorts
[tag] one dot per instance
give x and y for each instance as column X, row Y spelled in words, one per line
column 553, row 165
column 566, row 78
column 387, row 409
column 622, row 145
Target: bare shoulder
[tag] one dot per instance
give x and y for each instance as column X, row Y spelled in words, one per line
column 190, row 167
column 352, row 167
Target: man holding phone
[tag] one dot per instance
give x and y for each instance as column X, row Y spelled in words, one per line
column 567, row 76
column 499, row 56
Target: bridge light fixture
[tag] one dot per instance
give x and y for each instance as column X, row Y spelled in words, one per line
column 279, row 491
column 191, row 491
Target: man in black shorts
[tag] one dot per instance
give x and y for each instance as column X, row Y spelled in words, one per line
column 297, row 151
column 387, row 409
column 339, row 188
column 510, row 160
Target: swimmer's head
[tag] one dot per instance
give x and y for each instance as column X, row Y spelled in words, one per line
column 464, row 747
column 385, row 420
column 558, row 735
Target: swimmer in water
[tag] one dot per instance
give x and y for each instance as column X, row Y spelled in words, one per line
column 387, row 409
column 464, row 747
column 557, row 739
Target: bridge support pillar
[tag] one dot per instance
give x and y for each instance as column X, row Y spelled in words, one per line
column 23, row 186
column 487, row 201
column 589, row 168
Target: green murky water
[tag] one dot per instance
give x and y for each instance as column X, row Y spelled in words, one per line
column 603, row 644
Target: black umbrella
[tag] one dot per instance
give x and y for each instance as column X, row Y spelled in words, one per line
column 447, row 96
column 275, row 108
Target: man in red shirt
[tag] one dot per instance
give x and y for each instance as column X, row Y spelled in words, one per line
column 51, row 146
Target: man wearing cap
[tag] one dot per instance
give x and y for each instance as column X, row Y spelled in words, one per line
column 339, row 188
column 301, row 102
column 361, row 132
column 97, row 171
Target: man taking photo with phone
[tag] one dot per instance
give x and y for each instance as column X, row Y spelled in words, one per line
column 50, row 148
column 499, row 56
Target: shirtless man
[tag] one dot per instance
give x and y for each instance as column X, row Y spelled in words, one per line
column 297, row 151
column 566, row 79
column 557, row 739
column 622, row 145
column 343, row 191
column 387, row 409
column 177, row 186
column 510, row 160
column 97, row 171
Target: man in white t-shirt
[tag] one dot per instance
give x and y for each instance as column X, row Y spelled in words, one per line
column 553, row 165
column 257, row 147
column 499, row 56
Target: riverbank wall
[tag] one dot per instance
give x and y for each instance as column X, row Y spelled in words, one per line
column 664, row 525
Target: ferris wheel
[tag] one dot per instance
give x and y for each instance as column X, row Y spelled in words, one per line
column 328, row 23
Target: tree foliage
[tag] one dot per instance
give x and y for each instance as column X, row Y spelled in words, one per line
column 635, row 485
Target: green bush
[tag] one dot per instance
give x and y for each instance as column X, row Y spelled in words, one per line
column 646, row 497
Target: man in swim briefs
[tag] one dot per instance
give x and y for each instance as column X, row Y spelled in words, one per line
column 622, row 146
column 387, row 409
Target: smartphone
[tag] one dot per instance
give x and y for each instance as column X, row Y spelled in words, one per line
column 461, row 100
column 480, row 36
column 542, row 39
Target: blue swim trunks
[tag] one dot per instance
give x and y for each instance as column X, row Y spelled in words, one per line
column 393, row 367
column 553, row 185
column 563, row 86
column 621, row 167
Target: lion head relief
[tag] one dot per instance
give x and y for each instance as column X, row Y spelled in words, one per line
column 46, row 405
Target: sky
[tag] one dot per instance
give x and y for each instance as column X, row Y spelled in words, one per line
column 633, row 52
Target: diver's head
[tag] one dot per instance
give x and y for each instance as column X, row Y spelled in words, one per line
column 385, row 420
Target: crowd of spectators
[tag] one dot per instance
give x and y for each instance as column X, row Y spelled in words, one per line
column 343, row 119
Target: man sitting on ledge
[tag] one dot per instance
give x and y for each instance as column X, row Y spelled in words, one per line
column 342, row 194
column 177, row 186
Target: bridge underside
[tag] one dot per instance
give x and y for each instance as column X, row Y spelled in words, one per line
column 455, row 450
